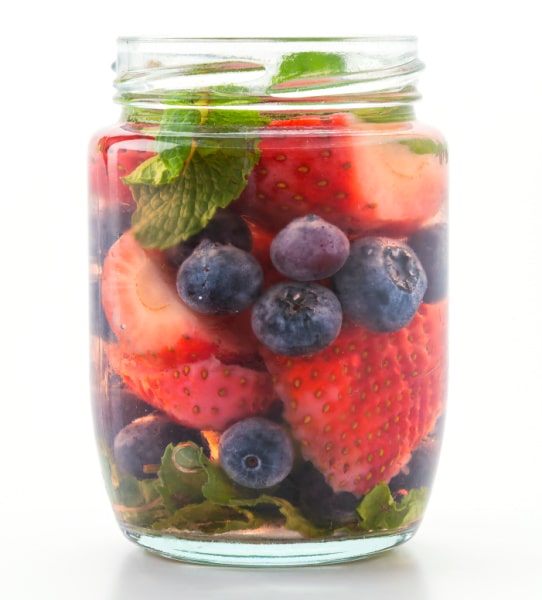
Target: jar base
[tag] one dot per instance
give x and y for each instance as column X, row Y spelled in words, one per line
column 266, row 553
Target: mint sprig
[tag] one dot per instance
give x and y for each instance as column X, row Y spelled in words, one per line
column 312, row 65
column 204, row 156
column 379, row 511
column 171, row 213
column 427, row 146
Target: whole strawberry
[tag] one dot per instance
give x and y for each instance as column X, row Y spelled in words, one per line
column 362, row 405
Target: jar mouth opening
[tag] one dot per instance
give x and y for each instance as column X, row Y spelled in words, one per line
column 347, row 69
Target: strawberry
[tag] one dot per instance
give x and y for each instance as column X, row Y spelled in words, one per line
column 203, row 394
column 110, row 163
column 362, row 405
column 147, row 316
column 353, row 181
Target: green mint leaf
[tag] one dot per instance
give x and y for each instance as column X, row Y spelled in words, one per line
column 427, row 146
column 134, row 501
column 378, row 510
column 386, row 114
column 153, row 171
column 209, row 517
column 290, row 517
column 171, row 213
column 311, row 65
column 174, row 143
column 179, row 483
column 219, row 488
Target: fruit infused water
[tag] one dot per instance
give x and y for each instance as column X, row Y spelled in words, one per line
column 269, row 300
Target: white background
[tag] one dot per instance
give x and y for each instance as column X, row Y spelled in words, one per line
column 483, row 87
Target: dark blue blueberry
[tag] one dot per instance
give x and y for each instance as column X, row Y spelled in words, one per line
column 381, row 284
column 296, row 318
column 319, row 502
column 99, row 324
column 105, row 230
column 219, row 280
column 309, row 248
column 138, row 448
column 256, row 453
column 116, row 407
column 431, row 246
column 225, row 227
column 420, row 470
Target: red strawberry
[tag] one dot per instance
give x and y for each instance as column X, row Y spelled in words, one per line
column 358, row 182
column 360, row 407
column 146, row 314
column 205, row 394
column 109, row 163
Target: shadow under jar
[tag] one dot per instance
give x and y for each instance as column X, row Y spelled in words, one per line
column 269, row 304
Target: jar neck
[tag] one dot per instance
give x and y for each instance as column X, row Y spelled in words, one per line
column 272, row 76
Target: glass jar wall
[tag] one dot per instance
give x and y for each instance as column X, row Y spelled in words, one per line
column 268, row 276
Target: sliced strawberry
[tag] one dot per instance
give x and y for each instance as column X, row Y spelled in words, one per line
column 345, row 172
column 205, row 394
column 145, row 312
column 112, row 157
column 361, row 406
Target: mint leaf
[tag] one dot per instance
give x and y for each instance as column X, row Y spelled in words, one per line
column 212, row 178
column 385, row 114
column 153, row 171
column 378, row 510
column 209, row 517
column 174, row 143
column 301, row 65
column 427, row 146
column 177, row 485
column 291, row 518
column 219, row 488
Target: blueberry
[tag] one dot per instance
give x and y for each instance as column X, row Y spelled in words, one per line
column 116, row 407
column 138, row 447
column 297, row 318
column 420, row 470
column 431, row 246
column 319, row 502
column 219, row 280
column 381, row 284
column 99, row 325
column 106, row 229
column 309, row 248
column 225, row 227
column 256, row 453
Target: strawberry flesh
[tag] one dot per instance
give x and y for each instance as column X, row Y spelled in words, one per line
column 324, row 167
column 361, row 406
column 147, row 315
column 113, row 157
column 205, row 394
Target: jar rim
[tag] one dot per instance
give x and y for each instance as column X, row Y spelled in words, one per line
column 265, row 39
column 380, row 68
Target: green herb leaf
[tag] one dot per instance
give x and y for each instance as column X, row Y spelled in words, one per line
column 309, row 65
column 209, row 517
column 174, row 143
column 427, row 146
column 179, row 485
column 214, row 176
column 378, row 510
column 291, row 518
column 219, row 488
column 386, row 114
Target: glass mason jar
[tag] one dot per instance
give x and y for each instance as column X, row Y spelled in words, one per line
column 268, row 275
